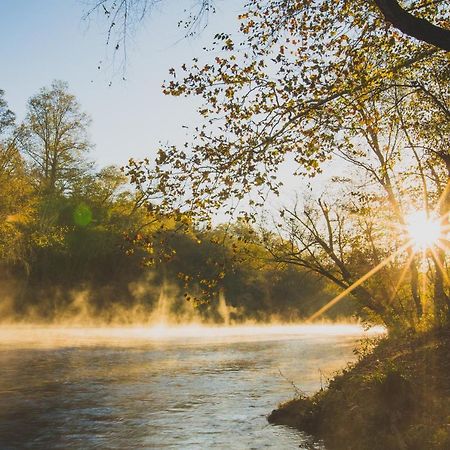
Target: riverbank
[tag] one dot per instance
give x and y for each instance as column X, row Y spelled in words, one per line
column 394, row 397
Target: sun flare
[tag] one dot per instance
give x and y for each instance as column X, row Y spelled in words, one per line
column 423, row 230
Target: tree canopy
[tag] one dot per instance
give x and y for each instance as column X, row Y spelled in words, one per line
column 54, row 137
column 418, row 19
column 304, row 82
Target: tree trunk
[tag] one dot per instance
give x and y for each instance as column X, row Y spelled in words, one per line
column 442, row 309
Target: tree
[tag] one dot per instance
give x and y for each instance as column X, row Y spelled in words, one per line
column 54, row 137
column 303, row 81
column 341, row 246
column 7, row 117
column 16, row 200
column 279, row 90
column 332, row 47
column 348, row 234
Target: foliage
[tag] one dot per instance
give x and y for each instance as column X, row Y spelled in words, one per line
column 304, row 82
column 280, row 89
column 88, row 237
column 54, row 137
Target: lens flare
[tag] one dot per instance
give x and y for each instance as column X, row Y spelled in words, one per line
column 82, row 215
column 423, row 230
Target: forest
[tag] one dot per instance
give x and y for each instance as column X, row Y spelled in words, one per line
column 79, row 244
column 378, row 233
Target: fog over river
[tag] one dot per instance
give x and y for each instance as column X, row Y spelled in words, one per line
column 192, row 387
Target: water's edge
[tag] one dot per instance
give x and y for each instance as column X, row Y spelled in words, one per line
column 191, row 387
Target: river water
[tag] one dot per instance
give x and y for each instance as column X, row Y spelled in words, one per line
column 158, row 387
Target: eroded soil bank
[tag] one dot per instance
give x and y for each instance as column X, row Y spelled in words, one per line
column 395, row 397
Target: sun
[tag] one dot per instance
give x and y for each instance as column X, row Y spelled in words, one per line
column 423, row 230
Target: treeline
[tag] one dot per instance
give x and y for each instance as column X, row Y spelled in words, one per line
column 75, row 239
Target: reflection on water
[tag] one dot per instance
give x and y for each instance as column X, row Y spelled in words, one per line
column 135, row 388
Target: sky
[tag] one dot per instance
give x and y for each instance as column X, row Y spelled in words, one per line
column 44, row 40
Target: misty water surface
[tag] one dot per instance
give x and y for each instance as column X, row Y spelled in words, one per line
column 88, row 390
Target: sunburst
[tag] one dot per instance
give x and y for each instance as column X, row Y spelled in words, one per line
column 424, row 232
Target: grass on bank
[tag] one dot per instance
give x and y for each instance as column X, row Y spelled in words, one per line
column 393, row 398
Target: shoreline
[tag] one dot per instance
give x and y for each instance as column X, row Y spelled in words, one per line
column 396, row 396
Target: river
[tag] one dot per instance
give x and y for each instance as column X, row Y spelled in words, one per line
column 160, row 387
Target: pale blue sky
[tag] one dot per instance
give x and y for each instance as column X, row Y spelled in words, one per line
column 43, row 40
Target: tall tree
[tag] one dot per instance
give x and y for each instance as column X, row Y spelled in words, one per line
column 54, row 137
column 15, row 194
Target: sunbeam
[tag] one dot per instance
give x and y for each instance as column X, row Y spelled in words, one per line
column 424, row 232
column 357, row 283
column 402, row 276
column 438, row 262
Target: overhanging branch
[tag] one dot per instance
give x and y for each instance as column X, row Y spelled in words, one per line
column 413, row 26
